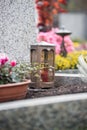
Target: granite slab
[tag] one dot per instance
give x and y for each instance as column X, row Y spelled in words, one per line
column 66, row 112
column 63, row 84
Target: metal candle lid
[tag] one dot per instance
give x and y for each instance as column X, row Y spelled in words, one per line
column 63, row 32
column 43, row 43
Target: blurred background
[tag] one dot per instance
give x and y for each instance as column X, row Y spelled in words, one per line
column 52, row 15
column 75, row 19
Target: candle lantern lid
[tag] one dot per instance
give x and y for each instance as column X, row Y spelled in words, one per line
column 43, row 43
column 63, row 32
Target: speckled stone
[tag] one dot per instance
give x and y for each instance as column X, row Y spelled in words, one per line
column 70, row 115
column 64, row 84
column 67, row 81
column 68, row 78
column 17, row 27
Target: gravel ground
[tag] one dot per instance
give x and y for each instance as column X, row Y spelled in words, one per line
column 63, row 85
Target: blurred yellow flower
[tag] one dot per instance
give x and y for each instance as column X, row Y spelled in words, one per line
column 69, row 62
column 76, row 44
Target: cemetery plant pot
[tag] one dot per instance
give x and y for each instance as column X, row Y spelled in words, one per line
column 13, row 91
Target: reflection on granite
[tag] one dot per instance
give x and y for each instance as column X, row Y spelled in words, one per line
column 17, row 27
column 70, row 115
column 69, row 71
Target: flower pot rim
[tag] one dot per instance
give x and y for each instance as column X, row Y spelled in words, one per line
column 13, row 84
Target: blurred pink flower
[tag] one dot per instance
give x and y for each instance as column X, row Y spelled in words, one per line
column 2, row 61
column 13, row 63
column 3, row 58
column 41, row 37
column 53, row 38
column 70, row 49
column 57, row 49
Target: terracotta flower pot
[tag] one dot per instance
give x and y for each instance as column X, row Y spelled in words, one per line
column 13, row 91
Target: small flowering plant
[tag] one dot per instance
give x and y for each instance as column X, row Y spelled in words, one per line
column 12, row 72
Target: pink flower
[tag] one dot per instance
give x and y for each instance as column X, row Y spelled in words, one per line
column 57, row 49
column 41, row 37
column 13, row 63
column 3, row 58
column 53, row 38
column 2, row 61
column 6, row 59
column 70, row 49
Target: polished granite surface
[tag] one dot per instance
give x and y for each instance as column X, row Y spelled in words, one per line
column 66, row 112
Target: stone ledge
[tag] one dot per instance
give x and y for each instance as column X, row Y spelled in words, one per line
column 67, row 79
column 67, row 112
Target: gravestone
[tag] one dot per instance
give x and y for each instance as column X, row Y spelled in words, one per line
column 17, row 28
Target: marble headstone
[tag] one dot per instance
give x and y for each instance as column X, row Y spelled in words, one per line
column 17, row 27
